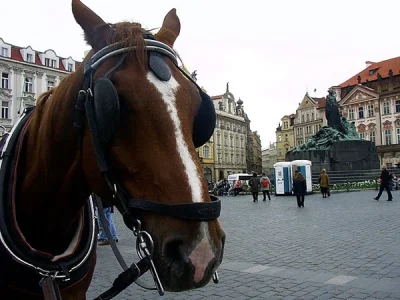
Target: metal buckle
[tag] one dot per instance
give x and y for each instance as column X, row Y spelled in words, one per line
column 145, row 248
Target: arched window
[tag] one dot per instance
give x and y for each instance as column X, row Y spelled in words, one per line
column 208, row 174
column 206, row 151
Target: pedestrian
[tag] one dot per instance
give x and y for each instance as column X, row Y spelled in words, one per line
column 299, row 189
column 254, row 183
column 265, row 186
column 385, row 182
column 108, row 211
column 323, row 181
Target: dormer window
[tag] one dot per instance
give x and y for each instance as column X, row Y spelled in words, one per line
column 70, row 68
column 29, row 58
column 4, row 52
column 373, row 71
column 50, row 62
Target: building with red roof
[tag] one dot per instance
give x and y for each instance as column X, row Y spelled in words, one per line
column 25, row 73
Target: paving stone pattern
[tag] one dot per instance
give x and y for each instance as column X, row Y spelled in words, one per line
column 343, row 247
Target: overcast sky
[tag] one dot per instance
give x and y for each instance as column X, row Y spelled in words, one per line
column 269, row 51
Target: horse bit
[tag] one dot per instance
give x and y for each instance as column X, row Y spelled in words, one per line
column 204, row 211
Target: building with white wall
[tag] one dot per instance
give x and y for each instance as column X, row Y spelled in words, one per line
column 25, row 73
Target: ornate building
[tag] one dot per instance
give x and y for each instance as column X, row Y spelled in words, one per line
column 284, row 136
column 26, row 73
column 269, row 158
column 310, row 117
column 256, row 151
column 230, row 136
column 371, row 99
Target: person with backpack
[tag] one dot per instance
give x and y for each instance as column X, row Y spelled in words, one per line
column 265, row 186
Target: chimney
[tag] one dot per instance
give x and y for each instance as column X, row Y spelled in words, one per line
column 368, row 63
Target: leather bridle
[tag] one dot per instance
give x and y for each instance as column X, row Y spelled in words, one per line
column 204, row 211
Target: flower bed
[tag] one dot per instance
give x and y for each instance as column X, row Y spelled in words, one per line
column 361, row 185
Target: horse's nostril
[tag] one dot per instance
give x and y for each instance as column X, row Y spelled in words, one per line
column 173, row 250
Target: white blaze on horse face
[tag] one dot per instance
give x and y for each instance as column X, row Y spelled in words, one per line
column 167, row 90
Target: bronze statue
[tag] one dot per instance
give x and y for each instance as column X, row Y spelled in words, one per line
column 332, row 112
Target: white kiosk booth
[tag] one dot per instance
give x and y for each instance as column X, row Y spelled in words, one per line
column 303, row 166
column 283, row 178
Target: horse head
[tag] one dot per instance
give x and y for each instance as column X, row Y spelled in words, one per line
column 150, row 118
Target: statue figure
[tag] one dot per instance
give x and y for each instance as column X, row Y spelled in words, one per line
column 332, row 112
column 220, row 105
column 227, row 87
column 194, row 75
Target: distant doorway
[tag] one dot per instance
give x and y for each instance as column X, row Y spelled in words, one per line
column 221, row 175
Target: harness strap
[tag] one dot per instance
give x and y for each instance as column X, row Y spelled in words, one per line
column 50, row 288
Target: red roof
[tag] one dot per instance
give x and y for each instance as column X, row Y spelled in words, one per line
column 370, row 73
column 16, row 55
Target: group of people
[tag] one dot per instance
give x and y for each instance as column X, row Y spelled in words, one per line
column 108, row 211
column 255, row 183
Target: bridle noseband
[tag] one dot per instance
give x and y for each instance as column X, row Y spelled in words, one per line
column 204, row 211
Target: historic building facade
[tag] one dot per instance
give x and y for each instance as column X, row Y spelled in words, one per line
column 269, row 158
column 25, row 73
column 284, row 136
column 371, row 99
column 256, row 165
column 230, row 136
column 310, row 117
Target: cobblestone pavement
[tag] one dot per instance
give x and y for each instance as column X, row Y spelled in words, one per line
column 343, row 247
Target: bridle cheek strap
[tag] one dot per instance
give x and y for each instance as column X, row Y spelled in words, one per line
column 200, row 211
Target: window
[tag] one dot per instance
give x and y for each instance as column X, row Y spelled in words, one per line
column 219, row 157
column 286, row 138
column 226, row 140
column 28, row 84
column 362, row 135
column 398, row 135
column 50, row 62
column 4, row 109
column 302, row 118
column 386, row 108
column 4, row 80
column 232, row 141
column 398, row 106
column 232, row 161
column 29, row 57
column 4, row 52
column 50, row 84
column 316, row 128
column 372, row 136
column 388, row 137
column 351, row 113
column 361, row 112
column 69, row 68
column 280, row 138
column 206, row 151
column 308, row 117
column 370, row 110
column 312, row 117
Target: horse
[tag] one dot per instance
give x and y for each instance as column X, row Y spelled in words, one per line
column 124, row 126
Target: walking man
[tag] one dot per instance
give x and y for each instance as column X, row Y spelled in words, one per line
column 385, row 182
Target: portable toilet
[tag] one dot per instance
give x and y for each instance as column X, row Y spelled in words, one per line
column 303, row 166
column 283, row 181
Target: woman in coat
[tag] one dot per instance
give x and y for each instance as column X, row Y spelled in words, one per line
column 299, row 188
column 324, row 183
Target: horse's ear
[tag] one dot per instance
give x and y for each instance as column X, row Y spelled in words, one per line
column 170, row 28
column 96, row 30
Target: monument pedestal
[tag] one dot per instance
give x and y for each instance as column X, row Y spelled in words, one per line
column 341, row 156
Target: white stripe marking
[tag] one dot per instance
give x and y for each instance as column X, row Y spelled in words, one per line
column 167, row 90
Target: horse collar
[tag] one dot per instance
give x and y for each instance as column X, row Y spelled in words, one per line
column 15, row 252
